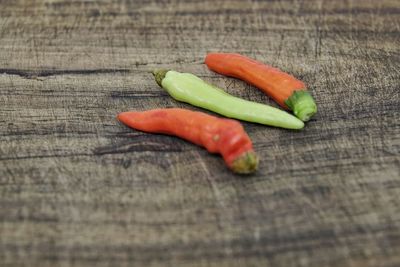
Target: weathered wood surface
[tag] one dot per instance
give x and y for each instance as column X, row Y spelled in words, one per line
column 79, row 189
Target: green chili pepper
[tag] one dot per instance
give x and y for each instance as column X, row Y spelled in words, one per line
column 191, row 89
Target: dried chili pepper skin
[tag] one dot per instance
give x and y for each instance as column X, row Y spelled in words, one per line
column 285, row 89
column 189, row 88
column 224, row 136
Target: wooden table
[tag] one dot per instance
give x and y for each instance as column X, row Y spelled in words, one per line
column 77, row 188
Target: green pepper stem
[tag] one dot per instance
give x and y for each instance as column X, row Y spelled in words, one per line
column 302, row 104
column 159, row 75
column 246, row 163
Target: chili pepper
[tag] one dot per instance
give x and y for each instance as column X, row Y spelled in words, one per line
column 285, row 89
column 217, row 135
column 189, row 88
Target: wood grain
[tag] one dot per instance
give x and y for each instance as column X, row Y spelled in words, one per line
column 79, row 189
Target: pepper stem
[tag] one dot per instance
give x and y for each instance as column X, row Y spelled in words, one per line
column 246, row 163
column 159, row 75
column 302, row 104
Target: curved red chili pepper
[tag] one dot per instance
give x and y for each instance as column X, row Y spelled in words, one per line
column 217, row 135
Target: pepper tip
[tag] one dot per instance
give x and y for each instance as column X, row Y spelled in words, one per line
column 124, row 117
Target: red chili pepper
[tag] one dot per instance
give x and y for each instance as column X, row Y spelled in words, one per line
column 217, row 135
column 285, row 89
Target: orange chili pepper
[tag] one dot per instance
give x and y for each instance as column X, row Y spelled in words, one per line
column 285, row 89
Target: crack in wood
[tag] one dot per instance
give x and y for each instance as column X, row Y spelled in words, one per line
column 32, row 74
